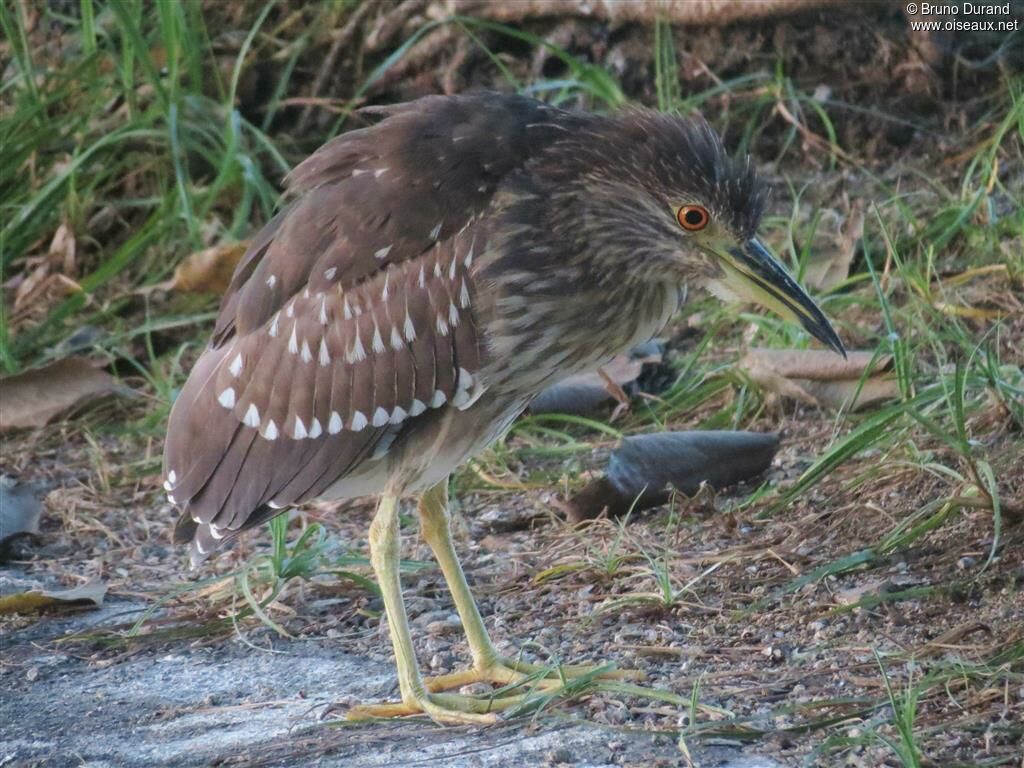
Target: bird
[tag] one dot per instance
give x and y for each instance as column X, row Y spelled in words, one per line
column 428, row 274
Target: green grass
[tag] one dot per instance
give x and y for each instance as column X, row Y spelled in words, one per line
column 134, row 138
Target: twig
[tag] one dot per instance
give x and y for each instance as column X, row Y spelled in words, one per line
column 341, row 39
column 696, row 12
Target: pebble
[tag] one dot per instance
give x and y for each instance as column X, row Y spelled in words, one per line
column 450, row 624
column 561, row 756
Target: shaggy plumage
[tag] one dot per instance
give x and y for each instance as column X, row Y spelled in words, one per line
column 430, row 275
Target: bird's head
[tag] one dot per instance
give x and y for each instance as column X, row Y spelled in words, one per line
column 662, row 189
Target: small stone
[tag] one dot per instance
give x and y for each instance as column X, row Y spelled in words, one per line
column 445, row 626
column 560, row 756
column 31, row 674
column 966, row 562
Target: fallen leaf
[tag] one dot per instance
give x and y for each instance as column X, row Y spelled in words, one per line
column 87, row 595
column 644, row 469
column 20, row 509
column 207, row 271
column 823, row 378
column 36, row 397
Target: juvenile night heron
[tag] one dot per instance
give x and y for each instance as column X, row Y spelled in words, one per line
column 432, row 273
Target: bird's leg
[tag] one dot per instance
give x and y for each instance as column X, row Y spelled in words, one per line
column 488, row 665
column 446, row 708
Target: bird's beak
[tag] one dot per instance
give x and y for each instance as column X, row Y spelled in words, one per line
column 754, row 274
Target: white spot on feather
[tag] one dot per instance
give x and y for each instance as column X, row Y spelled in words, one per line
column 378, row 342
column 270, row 431
column 398, row 415
column 464, row 295
column 357, row 354
column 289, row 311
column 453, row 314
column 273, row 325
column 172, row 476
column 168, row 485
column 346, row 309
column 330, row 272
column 325, row 354
column 271, row 281
column 358, row 423
column 382, row 253
column 408, row 329
column 417, row 407
column 252, row 416
column 300, row 429
column 451, row 270
column 307, row 355
column 199, row 547
column 315, row 430
column 323, row 311
column 227, row 398
column 384, row 293
column 380, row 417
column 422, row 280
column 396, row 340
column 442, row 326
column 236, row 365
column 436, row 231
column 170, row 498
column 216, row 532
column 379, row 172
column 437, row 269
column 438, row 399
column 274, row 505
column 334, row 424
column 359, row 171
column 293, row 342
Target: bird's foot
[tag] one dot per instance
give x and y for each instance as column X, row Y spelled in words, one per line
column 514, row 672
column 445, row 708
column 521, row 683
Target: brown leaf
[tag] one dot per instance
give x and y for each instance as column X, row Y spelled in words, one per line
column 823, row 378
column 207, row 271
column 34, row 398
column 89, row 595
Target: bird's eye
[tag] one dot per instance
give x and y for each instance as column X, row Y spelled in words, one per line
column 693, row 218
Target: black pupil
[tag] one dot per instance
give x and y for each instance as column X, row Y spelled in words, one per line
column 694, row 217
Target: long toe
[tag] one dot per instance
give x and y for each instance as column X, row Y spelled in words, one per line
column 508, row 671
column 444, row 708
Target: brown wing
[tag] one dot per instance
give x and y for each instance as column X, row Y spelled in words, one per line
column 350, row 314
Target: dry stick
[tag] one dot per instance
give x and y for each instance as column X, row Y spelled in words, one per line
column 392, row 24
column 698, row 12
column 695, row 12
column 433, row 44
column 343, row 38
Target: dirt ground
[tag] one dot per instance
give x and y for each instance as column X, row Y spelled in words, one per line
column 779, row 648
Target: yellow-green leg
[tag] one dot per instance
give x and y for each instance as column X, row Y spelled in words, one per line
column 488, row 665
column 446, row 708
